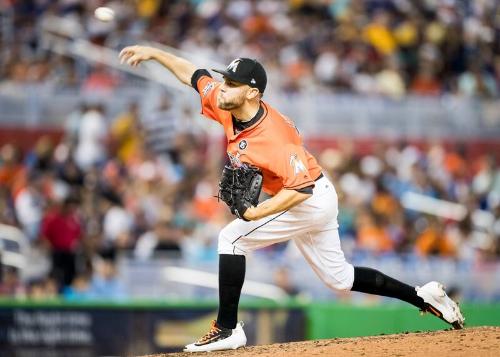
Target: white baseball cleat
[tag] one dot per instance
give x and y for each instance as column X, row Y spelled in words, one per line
column 219, row 338
column 440, row 305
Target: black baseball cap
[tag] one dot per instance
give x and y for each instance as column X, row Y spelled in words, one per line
column 246, row 70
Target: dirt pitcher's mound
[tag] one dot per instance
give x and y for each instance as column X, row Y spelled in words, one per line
column 477, row 341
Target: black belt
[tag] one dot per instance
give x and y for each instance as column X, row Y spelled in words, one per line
column 319, row 177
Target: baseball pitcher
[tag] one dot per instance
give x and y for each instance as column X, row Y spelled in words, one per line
column 266, row 152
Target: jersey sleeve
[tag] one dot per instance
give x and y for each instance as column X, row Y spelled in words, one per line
column 208, row 88
column 292, row 168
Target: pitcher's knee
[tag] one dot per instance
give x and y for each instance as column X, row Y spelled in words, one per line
column 339, row 285
column 340, row 279
column 227, row 243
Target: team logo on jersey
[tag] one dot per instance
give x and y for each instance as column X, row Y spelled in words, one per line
column 243, row 144
column 235, row 159
column 233, row 66
column 296, row 164
column 208, row 88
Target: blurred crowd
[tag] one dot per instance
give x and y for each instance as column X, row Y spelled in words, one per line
column 144, row 185
column 372, row 47
column 133, row 186
column 375, row 207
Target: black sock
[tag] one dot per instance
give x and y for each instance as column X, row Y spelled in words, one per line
column 231, row 278
column 371, row 281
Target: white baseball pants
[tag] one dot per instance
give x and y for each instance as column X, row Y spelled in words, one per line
column 312, row 225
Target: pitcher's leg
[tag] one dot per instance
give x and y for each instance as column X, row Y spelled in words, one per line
column 231, row 278
column 324, row 254
column 236, row 240
column 371, row 281
column 429, row 298
column 225, row 333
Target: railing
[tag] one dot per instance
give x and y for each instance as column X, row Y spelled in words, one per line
column 150, row 279
column 314, row 114
column 56, row 39
column 414, row 117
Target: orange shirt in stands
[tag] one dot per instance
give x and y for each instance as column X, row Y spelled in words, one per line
column 272, row 144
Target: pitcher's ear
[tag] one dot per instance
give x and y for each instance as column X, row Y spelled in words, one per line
column 253, row 93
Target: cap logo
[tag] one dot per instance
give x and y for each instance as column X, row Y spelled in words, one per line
column 253, row 81
column 233, row 66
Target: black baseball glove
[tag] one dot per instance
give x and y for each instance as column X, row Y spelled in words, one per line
column 240, row 188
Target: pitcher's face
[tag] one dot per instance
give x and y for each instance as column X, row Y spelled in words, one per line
column 232, row 94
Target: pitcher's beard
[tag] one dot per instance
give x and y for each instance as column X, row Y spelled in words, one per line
column 230, row 105
column 227, row 105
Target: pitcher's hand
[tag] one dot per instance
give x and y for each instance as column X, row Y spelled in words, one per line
column 133, row 55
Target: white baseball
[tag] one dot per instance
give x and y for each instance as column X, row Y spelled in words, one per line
column 104, row 13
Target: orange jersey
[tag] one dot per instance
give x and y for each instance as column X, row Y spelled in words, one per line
column 272, row 144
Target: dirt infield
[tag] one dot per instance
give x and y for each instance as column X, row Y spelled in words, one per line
column 477, row 341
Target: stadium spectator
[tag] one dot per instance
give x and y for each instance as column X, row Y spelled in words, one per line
column 45, row 288
column 117, row 222
column 105, row 283
column 91, row 147
column 12, row 167
column 62, row 230
column 434, row 240
column 41, row 157
column 30, row 202
column 126, row 134
column 163, row 238
column 79, row 288
column 373, row 234
column 10, row 282
column 7, row 209
column 426, row 82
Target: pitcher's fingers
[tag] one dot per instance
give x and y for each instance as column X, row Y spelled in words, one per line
column 138, row 61
column 134, row 60
column 123, row 59
column 124, row 51
column 127, row 52
column 124, row 56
